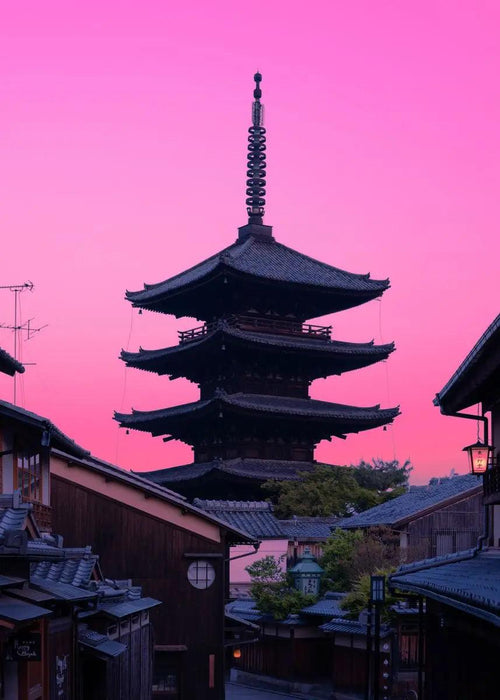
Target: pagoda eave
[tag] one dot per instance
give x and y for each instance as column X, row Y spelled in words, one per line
column 267, row 415
column 312, row 357
column 265, row 272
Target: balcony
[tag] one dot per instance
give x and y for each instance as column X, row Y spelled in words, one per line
column 491, row 485
column 261, row 324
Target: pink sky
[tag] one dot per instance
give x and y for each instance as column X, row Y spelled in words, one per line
column 123, row 134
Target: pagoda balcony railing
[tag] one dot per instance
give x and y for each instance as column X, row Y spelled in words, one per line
column 260, row 324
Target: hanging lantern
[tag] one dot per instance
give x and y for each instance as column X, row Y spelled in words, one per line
column 479, row 457
column 307, row 573
column 237, row 653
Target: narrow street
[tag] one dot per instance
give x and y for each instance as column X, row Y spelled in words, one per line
column 241, row 692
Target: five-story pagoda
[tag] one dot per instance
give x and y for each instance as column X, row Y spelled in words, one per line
column 255, row 355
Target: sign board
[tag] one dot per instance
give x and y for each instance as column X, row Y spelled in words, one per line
column 27, row 647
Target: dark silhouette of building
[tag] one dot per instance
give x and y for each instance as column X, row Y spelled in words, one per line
column 255, row 355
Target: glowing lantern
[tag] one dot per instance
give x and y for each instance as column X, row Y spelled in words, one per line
column 479, row 456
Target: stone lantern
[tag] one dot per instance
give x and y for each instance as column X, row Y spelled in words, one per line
column 307, row 574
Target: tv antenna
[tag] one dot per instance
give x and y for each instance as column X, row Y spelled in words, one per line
column 19, row 326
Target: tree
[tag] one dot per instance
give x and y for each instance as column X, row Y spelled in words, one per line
column 358, row 599
column 351, row 554
column 388, row 479
column 340, row 491
column 272, row 590
column 324, row 491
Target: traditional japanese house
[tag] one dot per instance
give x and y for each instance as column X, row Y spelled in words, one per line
column 254, row 355
column 462, row 591
column 442, row 517
column 176, row 552
column 65, row 631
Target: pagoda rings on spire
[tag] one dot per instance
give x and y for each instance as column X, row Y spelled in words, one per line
column 256, row 165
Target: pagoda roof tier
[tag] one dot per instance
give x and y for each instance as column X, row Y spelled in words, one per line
column 317, row 357
column 267, row 414
column 260, row 273
column 253, row 469
column 239, row 478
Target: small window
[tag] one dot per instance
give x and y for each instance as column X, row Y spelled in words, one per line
column 145, row 617
column 201, row 574
column 28, row 476
column 112, row 631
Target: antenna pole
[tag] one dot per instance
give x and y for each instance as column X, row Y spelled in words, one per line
column 17, row 289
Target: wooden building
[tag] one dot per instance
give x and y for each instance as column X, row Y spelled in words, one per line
column 176, row 552
column 254, row 356
column 462, row 591
column 66, row 633
column 443, row 517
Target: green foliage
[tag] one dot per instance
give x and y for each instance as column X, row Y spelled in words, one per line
column 324, row 491
column 338, row 554
column 358, row 599
column 388, row 479
column 272, row 590
column 350, row 554
column 340, row 491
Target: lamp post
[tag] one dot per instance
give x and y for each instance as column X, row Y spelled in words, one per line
column 377, row 598
column 479, row 456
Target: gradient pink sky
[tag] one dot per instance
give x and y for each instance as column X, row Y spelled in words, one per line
column 123, row 130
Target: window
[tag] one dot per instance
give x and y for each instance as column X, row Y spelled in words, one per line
column 201, row 574
column 28, row 475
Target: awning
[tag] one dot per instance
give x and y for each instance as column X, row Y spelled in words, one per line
column 8, row 581
column 62, row 591
column 15, row 610
column 127, row 607
column 99, row 644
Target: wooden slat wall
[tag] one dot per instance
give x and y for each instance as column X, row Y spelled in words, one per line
column 463, row 520
column 133, row 544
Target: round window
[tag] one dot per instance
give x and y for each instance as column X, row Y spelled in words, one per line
column 201, row 574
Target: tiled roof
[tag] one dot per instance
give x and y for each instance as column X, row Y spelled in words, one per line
column 261, row 469
column 76, row 572
column 341, row 626
column 332, row 354
column 343, row 418
column 100, row 644
column 469, row 581
column 468, row 384
column 254, row 517
column 9, row 365
column 14, row 518
column 16, row 610
column 265, row 260
column 327, row 606
column 309, row 528
column 244, row 609
column 57, row 438
column 415, row 501
column 127, row 607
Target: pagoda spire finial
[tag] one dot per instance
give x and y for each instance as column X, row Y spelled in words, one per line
column 256, row 159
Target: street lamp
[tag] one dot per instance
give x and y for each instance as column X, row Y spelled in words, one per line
column 479, row 456
column 377, row 589
column 377, row 598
